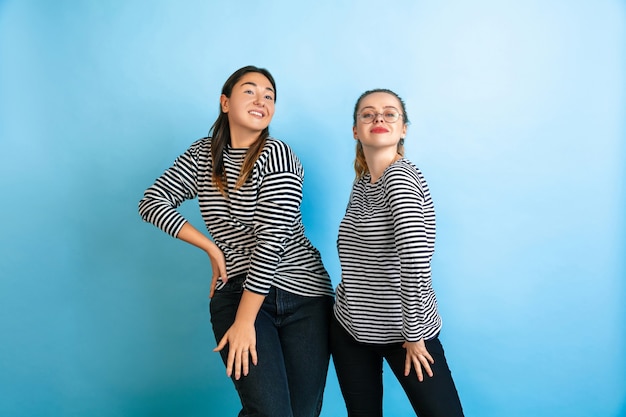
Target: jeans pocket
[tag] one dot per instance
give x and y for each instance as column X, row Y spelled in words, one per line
column 226, row 299
column 234, row 285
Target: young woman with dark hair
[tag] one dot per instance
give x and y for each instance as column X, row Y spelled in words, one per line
column 271, row 297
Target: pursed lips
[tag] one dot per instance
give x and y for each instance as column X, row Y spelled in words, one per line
column 379, row 130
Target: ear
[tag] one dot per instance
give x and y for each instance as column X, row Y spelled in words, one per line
column 354, row 133
column 404, row 128
column 224, row 103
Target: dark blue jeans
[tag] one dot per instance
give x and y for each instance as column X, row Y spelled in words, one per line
column 359, row 369
column 293, row 351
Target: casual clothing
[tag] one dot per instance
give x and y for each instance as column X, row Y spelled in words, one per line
column 385, row 297
column 359, row 368
column 386, row 240
column 292, row 345
column 259, row 229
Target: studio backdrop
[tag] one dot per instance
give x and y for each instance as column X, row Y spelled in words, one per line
column 517, row 113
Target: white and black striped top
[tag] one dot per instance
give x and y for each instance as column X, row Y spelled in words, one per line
column 386, row 241
column 259, row 227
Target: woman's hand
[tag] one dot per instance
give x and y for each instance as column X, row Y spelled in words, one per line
column 191, row 235
column 241, row 340
column 241, row 336
column 218, row 265
column 418, row 356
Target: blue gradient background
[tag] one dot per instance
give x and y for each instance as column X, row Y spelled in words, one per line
column 518, row 122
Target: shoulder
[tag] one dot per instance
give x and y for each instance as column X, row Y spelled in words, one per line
column 278, row 156
column 403, row 170
column 404, row 174
column 276, row 146
column 200, row 147
column 198, row 151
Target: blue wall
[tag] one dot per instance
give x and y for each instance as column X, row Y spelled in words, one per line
column 518, row 122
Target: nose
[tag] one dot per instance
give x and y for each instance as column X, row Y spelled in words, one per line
column 259, row 99
column 379, row 118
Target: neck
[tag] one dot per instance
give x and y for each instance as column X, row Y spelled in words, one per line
column 378, row 160
column 243, row 138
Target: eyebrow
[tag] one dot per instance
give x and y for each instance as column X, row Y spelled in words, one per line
column 384, row 107
column 255, row 85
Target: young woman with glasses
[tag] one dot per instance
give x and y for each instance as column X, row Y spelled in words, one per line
column 271, row 297
column 385, row 304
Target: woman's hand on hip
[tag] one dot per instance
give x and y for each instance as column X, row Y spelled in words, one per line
column 191, row 235
column 218, row 265
column 417, row 356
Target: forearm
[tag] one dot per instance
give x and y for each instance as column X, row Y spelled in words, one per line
column 159, row 210
column 193, row 236
column 249, row 307
column 251, row 302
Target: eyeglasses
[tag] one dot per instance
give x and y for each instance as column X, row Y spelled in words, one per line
column 389, row 116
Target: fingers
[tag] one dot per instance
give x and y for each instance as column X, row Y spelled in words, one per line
column 241, row 363
column 424, row 361
column 230, row 362
column 221, row 344
column 222, row 276
column 238, row 360
column 420, row 359
column 407, row 364
column 418, row 362
column 413, row 361
column 218, row 265
column 253, row 355
column 213, row 284
column 238, row 363
column 217, row 275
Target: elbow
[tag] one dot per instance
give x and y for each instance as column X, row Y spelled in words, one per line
column 143, row 209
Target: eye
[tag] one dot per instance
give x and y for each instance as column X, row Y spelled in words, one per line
column 368, row 115
column 391, row 114
column 269, row 97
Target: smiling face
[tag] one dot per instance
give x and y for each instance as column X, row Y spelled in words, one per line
column 375, row 131
column 250, row 108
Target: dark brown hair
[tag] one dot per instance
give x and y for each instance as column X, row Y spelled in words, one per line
column 360, row 165
column 220, row 135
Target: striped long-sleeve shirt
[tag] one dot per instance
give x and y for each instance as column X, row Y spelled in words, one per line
column 259, row 227
column 386, row 242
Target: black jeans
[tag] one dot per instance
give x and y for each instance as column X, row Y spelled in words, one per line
column 359, row 369
column 293, row 351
